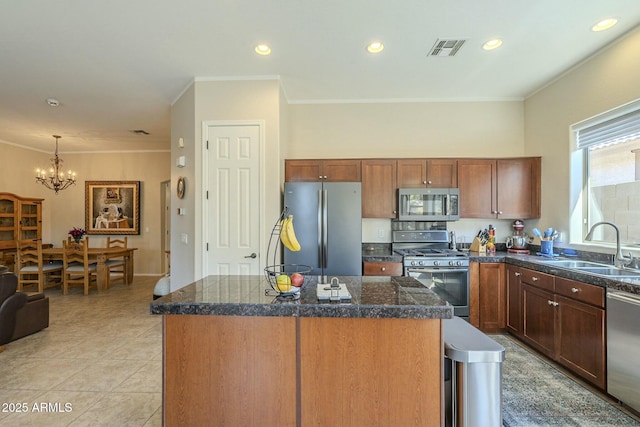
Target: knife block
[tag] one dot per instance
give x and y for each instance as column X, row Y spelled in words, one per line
column 477, row 246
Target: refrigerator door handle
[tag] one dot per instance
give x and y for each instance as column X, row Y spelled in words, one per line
column 325, row 228
column 320, row 263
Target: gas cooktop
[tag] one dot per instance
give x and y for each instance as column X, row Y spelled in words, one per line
column 430, row 252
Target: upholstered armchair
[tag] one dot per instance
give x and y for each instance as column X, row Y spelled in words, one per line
column 10, row 302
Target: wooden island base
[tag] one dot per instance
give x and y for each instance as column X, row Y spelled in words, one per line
column 302, row 371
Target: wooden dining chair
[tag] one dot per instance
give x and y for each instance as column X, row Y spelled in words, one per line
column 32, row 270
column 116, row 266
column 77, row 270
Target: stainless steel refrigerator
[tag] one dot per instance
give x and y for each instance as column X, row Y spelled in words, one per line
column 327, row 219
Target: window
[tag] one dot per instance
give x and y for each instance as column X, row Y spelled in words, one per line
column 610, row 144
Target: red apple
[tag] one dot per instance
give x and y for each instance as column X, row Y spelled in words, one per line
column 297, row 279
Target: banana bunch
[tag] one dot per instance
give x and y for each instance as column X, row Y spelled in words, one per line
column 288, row 235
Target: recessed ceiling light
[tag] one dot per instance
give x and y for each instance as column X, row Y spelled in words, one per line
column 263, row 49
column 605, row 24
column 52, row 102
column 492, row 44
column 375, row 47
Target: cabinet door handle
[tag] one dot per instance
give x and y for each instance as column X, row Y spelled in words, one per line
column 535, row 279
column 383, row 268
column 553, row 303
column 429, row 182
column 575, row 290
column 549, row 302
column 517, row 274
column 425, row 182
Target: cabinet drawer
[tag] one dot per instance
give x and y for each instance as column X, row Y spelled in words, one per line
column 381, row 268
column 591, row 294
column 537, row 279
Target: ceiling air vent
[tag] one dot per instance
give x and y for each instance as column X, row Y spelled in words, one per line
column 446, row 47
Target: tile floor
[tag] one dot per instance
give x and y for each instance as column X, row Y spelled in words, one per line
column 99, row 363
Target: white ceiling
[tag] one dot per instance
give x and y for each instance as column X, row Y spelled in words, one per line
column 118, row 65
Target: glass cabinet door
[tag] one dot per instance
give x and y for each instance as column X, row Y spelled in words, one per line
column 29, row 221
column 7, row 221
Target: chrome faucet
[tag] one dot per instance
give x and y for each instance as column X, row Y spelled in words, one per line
column 619, row 260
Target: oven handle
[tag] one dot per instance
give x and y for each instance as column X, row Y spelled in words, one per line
column 438, row 270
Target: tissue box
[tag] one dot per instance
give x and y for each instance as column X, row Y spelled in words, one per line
column 476, row 246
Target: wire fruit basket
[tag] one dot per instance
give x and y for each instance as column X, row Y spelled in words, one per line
column 273, row 271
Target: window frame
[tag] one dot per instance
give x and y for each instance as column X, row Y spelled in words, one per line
column 582, row 158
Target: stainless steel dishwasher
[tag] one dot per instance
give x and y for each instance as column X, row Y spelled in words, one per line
column 623, row 347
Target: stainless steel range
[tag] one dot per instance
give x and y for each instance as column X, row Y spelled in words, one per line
column 427, row 257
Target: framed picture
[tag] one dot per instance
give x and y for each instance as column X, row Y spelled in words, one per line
column 112, row 207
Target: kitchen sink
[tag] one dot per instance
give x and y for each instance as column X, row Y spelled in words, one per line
column 594, row 268
column 610, row 271
column 575, row 264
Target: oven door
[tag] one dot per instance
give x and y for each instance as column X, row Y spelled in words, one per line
column 451, row 284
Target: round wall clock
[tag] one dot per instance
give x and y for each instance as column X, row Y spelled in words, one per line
column 180, row 187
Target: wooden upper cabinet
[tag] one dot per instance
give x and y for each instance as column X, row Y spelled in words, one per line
column 476, row 181
column 503, row 188
column 329, row 170
column 433, row 173
column 379, row 189
column 518, row 191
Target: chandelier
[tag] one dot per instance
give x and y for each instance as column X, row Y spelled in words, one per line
column 54, row 179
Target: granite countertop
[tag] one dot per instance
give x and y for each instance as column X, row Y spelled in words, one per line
column 372, row 297
column 538, row 263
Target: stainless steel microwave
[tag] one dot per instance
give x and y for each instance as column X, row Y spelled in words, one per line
column 428, row 204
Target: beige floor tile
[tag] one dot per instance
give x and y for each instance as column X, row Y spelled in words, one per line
column 53, row 409
column 147, row 379
column 155, row 420
column 103, row 375
column 121, row 409
column 138, row 348
column 37, row 374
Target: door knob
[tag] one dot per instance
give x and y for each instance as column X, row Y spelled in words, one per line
column 253, row 255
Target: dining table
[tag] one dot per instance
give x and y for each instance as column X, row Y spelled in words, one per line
column 100, row 256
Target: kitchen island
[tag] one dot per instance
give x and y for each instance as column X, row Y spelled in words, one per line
column 235, row 355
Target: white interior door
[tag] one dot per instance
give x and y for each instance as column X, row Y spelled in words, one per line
column 233, row 206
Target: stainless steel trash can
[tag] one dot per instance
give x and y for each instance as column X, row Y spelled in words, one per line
column 473, row 376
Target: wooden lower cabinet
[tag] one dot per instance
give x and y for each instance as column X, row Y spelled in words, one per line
column 562, row 319
column 370, row 372
column 513, row 312
column 538, row 319
column 229, row 371
column 492, row 294
column 382, row 268
column 581, row 343
column 307, row 371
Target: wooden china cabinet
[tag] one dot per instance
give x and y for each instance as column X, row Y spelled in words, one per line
column 20, row 221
